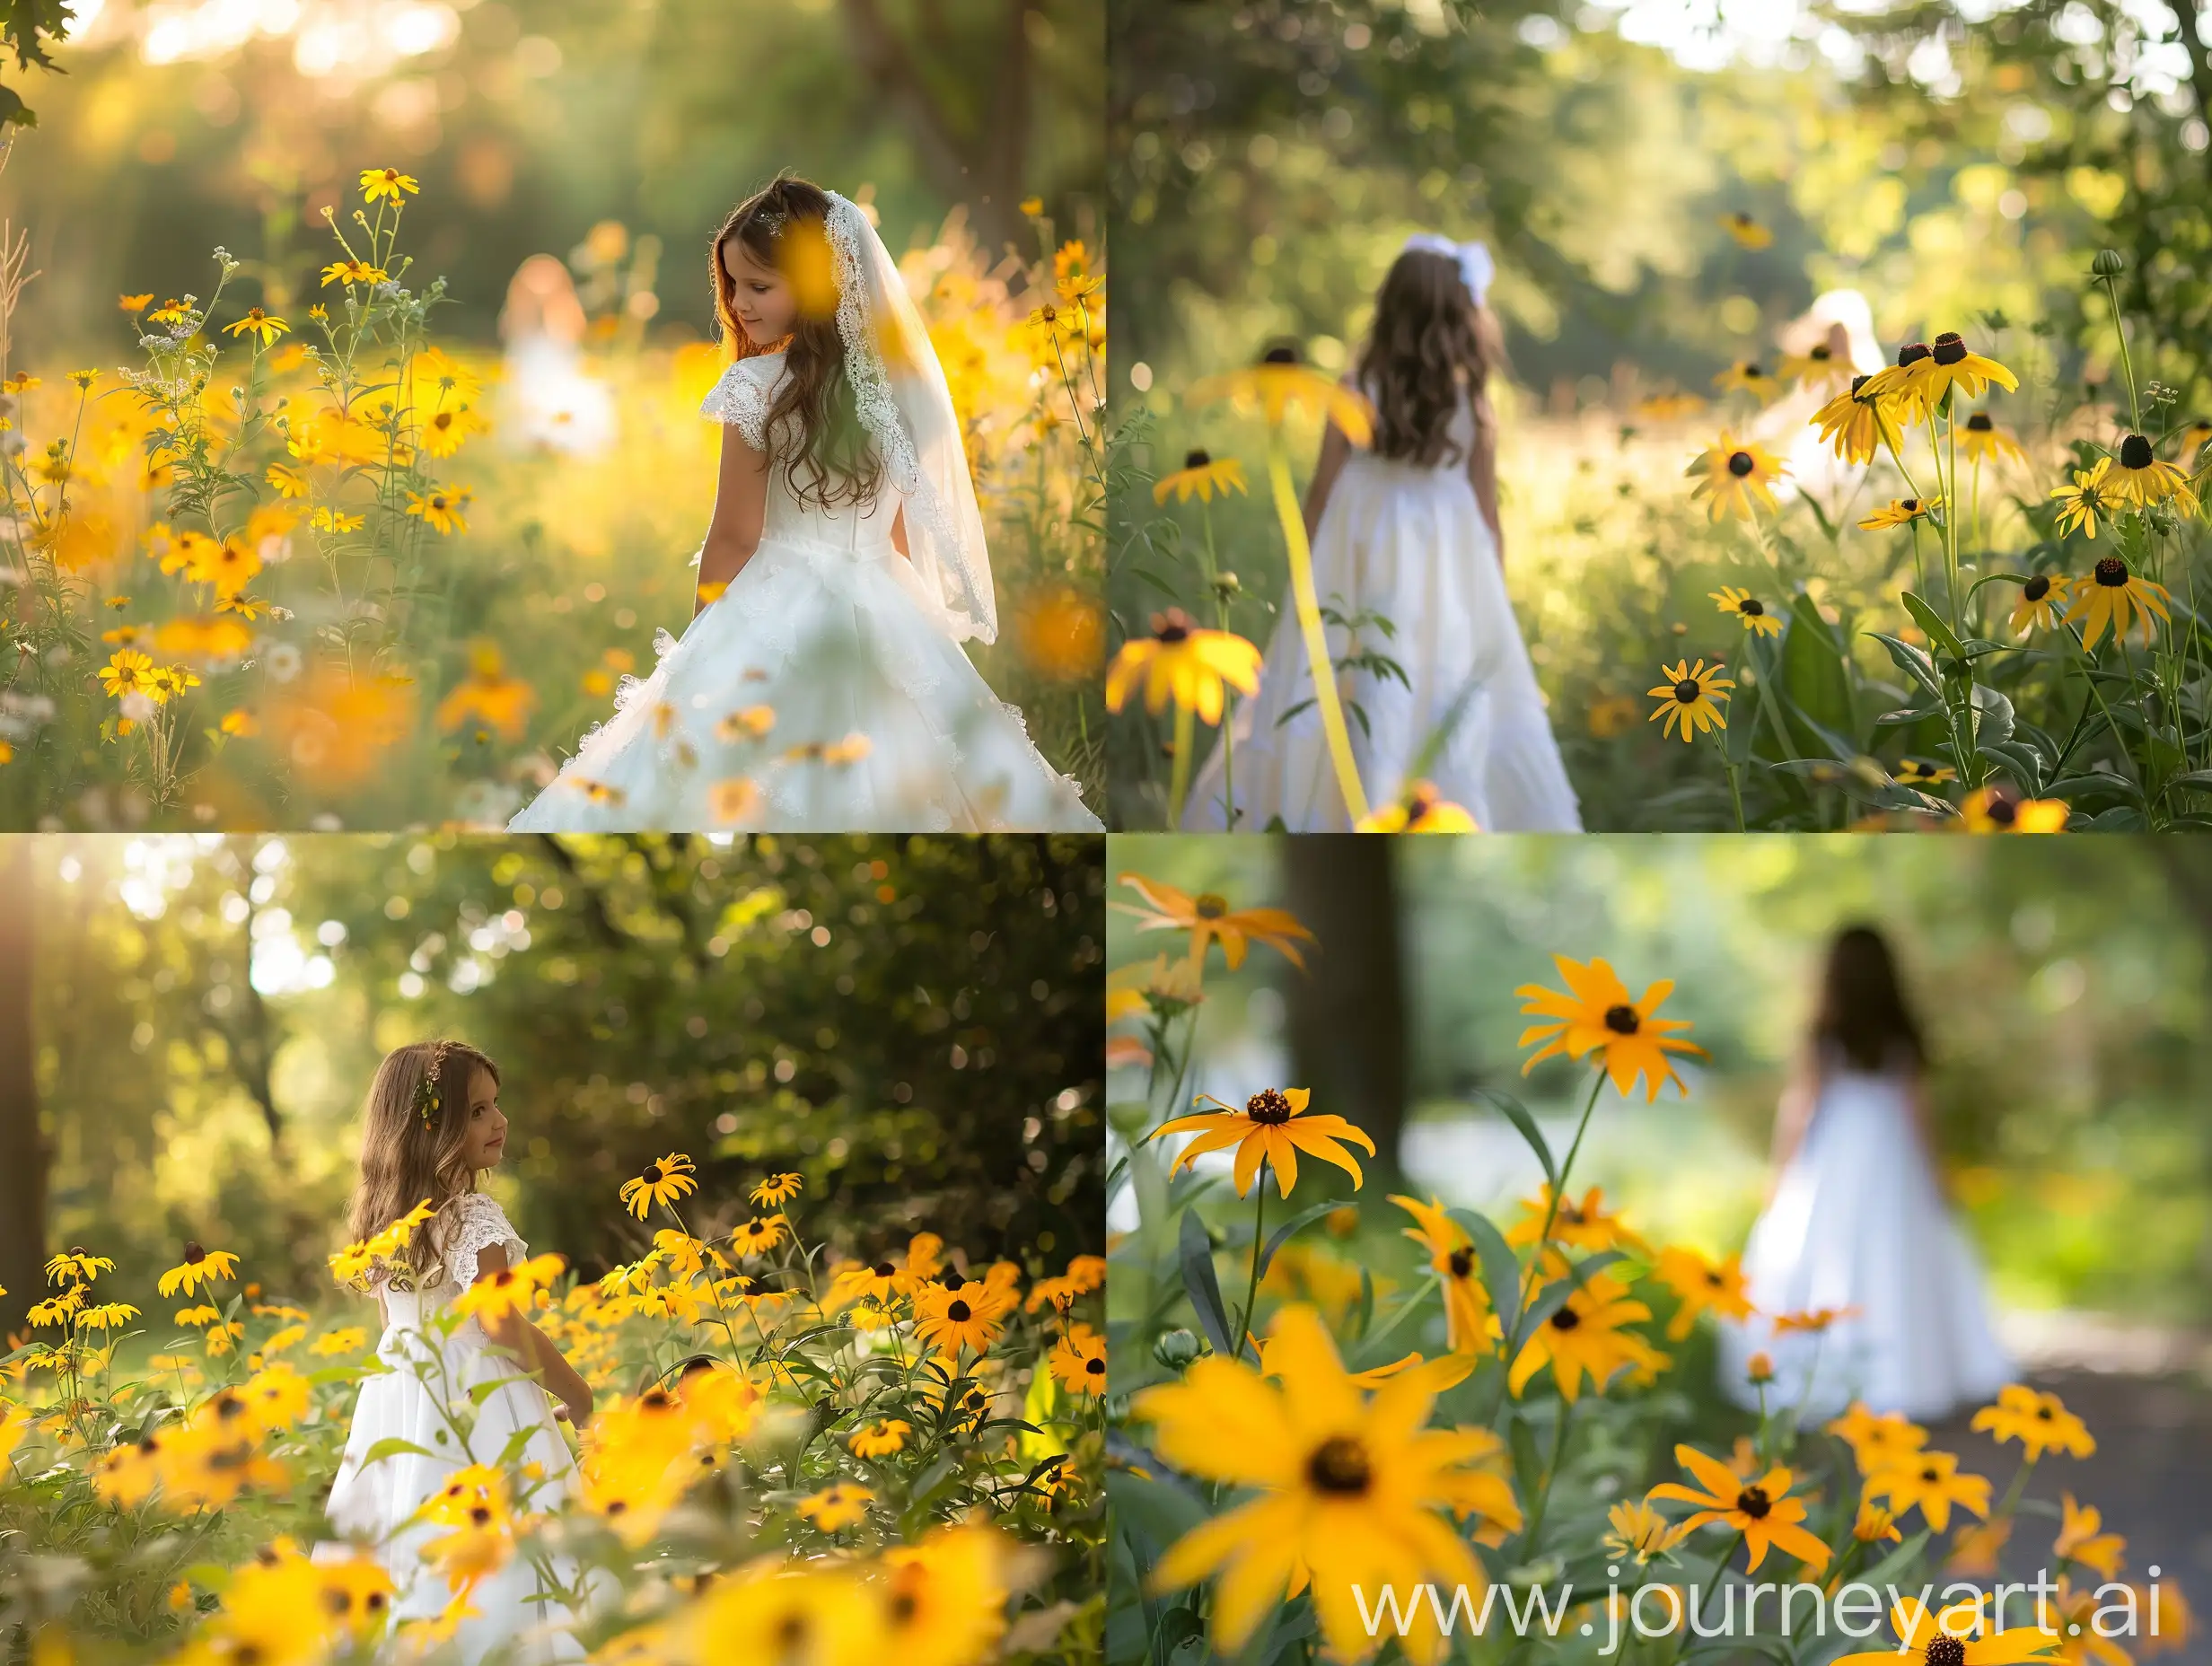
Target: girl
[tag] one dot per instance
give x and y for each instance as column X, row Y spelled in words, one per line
column 1857, row 1225
column 822, row 685
column 1407, row 532
column 434, row 1124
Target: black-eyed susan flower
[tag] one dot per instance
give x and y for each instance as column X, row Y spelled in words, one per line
column 1747, row 230
column 1900, row 512
column 2082, row 1539
column 1872, row 1524
column 1949, row 365
column 1201, row 477
column 1983, row 441
column 511, row 1290
column 1596, row 1015
column 1820, row 366
column 127, row 671
column 1351, row 1488
column 1669, row 406
column 1183, row 661
column 1701, row 1285
column 1690, row 696
column 776, row 1190
column 2141, row 476
column 1896, row 388
column 1850, row 423
column 77, row 1267
column 1920, row 772
column 1579, row 1223
column 2089, row 500
column 441, row 507
column 1930, row 1481
column 1419, row 808
column 1470, row 1324
column 1268, row 1129
column 1209, row 918
column 1748, row 376
column 2038, row 1421
column 880, row 1439
column 1279, row 384
column 1762, row 1510
column 198, row 1267
column 1585, row 1339
column 106, row 1316
column 1960, row 1635
column 758, row 1237
column 260, row 325
column 1640, row 1531
column 969, row 1315
column 381, row 182
column 1754, row 613
column 662, row 1182
column 2107, row 594
column 1079, row 1361
column 2040, row 598
column 1735, row 477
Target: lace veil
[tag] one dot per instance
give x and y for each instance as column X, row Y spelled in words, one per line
column 902, row 400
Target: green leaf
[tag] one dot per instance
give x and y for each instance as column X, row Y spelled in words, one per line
column 1501, row 1268
column 1518, row 1114
column 392, row 1446
column 479, row 1392
column 1913, row 661
column 1155, row 1514
column 1195, row 1254
column 1814, row 674
column 1931, row 621
column 1282, row 1234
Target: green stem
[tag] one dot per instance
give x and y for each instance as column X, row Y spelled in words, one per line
column 1252, row 1289
column 2127, row 363
column 1551, row 1216
column 1179, row 782
column 1552, row 1476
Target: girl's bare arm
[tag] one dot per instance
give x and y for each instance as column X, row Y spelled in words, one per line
column 1793, row 1115
column 1482, row 471
column 1335, row 451
column 533, row 1348
column 741, row 508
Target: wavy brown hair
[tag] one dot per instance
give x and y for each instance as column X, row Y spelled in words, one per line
column 785, row 226
column 1430, row 338
column 404, row 1160
column 1862, row 1012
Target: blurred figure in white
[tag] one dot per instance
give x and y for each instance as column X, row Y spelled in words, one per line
column 1857, row 1226
column 1824, row 350
column 548, row 400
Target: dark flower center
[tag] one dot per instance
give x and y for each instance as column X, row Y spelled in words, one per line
column 1858, row 383
column 2001, row 812
column 1279, row 355
column 480, row 1516
column 1822, row 353
column 884, row 1269
column 1339, row 1464
column 1752, row 372
column 1739, row 463
column 1714, row 1278
column 1210, row 906
column 960, row 1312
column 1753, row 1502
column 1095, row 1367
column 1268, row 1105
column 2043, row 1412
column 1911, row 506
column 1173, row 626
column 1936, row 1475
column 193, row 1253
column 1622, row 1020
column 2036, row 587
column 1686, row 692
column 1195, row 459
column 1752, row 605
column 1913, row 352
column 2135, row 452
column 652, row 1176
column 1565, row 1319
column 1950, row 347
column 1463, row 1263
column 1945, row 1651
column 2112, row 573
column 1979, row 423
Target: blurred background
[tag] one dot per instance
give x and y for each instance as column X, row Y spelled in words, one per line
column 574, row 160
column 2062, row 986
column 187, row 1027
column 1955, row 162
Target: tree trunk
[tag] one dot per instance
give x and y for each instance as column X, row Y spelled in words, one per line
column 22, row 1152
column 1347, row 1015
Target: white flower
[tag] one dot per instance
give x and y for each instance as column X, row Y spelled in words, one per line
column 283, row 661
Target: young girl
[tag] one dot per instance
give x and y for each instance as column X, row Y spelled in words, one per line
column 434, row 1124
column 1408, row 531
column 1857, row 1223
column 822, row 685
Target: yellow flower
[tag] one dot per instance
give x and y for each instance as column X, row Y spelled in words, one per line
column 2038, row 607
column 1958, row 1636
column 1268, row 1129
column 1183, row 661
column 1079, row 1361
column 205, row 1313
column 1352, row 1488
column 489, row 695
column 2038, row 1421
column 1201, row 476
column 21, row 382
column 970, row 1315
column 328, row 519
column 2104, row 596
column 1669, row 407
column 440, row 508
column 879, row 1280
column 380, row 183
column 1208, row 916
column 880, row 1439
column 443, row 431
column 1850, row 422
column 107, row 1315
column 229, row 566
column 1580, row 1224
column 1762, row 1509
column 2090, row 499
column 1278, row 384
column 1689, row 698
column 352, row 272
column 1896, row 388
column 1900, row 512
column 1419, row 808
column 841, row 1504
column 126, row 671
column 1748, row 376
column 1736, row 476
column 1598, row 1016
column 1873, row 1524
column 662, row 1182
column 1641, row 1531
column 1985, row 439
column 135, row 304
column 748, row 723
column 733, row 799
column 198, row 1266
column 511, row 1290
column 347, row 1339
column 1467, row 1317
column 1950, row 365
column 258, row 325
column 2139, row 476
column 1816, row 367
column 1747, row 607
column 1914, row 772
column 760, row 1236
column 1583, row 1337
column 1747, row 231
column 2081, row 1537
column 83, row 379
column 1701, row 1283
column 1931, row 1481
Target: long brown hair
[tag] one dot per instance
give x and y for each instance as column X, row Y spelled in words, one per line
column 1863, row 1014
column 785, row 226
column 404, row 1159
column 1430, row 338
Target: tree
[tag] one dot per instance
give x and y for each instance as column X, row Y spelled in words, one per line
column 26, row 26
column 22, row 1150
column 1348, row 1010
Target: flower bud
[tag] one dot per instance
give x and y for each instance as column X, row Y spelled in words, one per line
column 2109, row 263
column 1176, row 1349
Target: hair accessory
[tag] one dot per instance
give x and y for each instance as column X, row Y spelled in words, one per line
column 429, row 1099
column 1476, row 266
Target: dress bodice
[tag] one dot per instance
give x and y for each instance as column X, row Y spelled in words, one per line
column 1462, row 432
column 745, row 398
column 469, row 1224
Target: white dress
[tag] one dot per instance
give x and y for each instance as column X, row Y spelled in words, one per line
column 371, row 1504
column 1410, row 543
column 829, row 635
column 1856, row 1221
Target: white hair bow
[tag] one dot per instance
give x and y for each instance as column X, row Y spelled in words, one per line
column 1476, row 266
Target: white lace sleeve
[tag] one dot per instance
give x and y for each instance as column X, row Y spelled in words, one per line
column 745, row 397
column 473, row 1221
